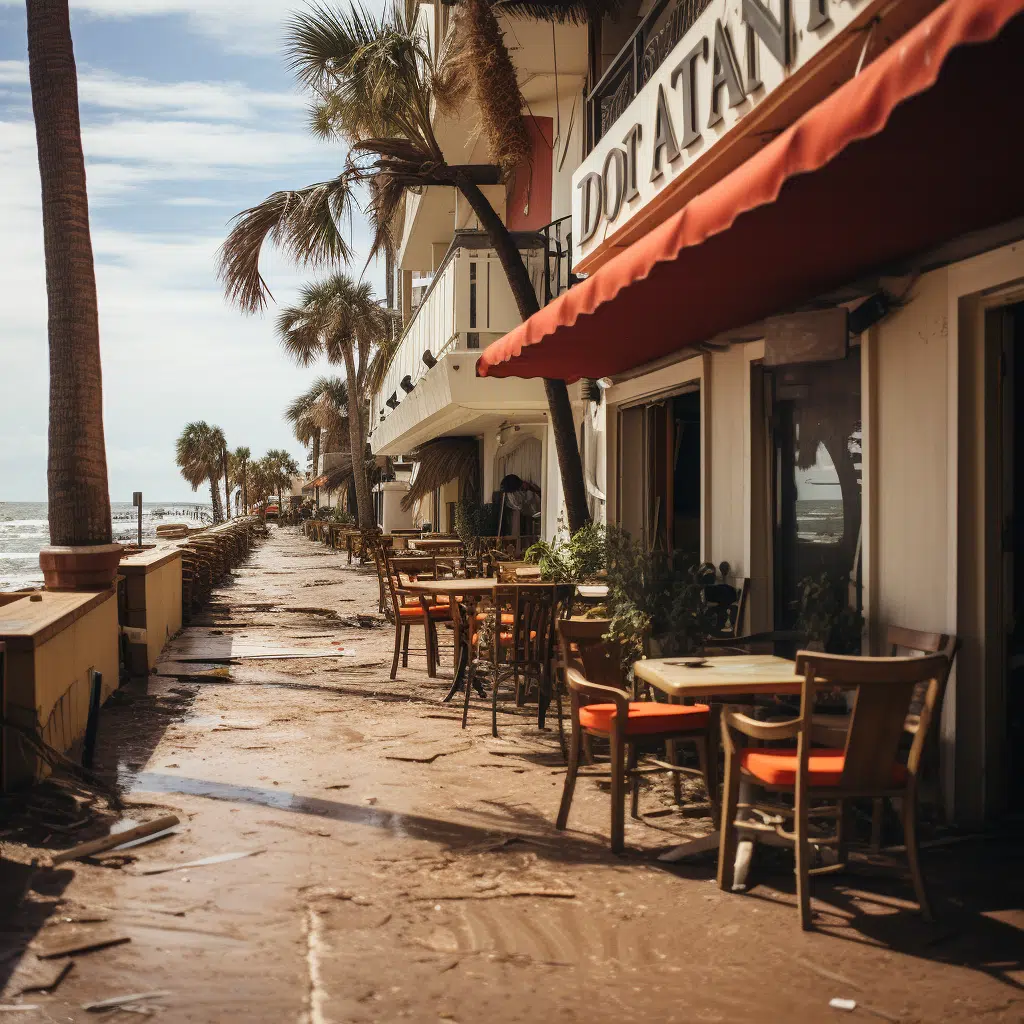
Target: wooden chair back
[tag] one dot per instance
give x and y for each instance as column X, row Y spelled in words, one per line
column 885, row 687
column 727, row 603
column 582, row 647
column 389, row 583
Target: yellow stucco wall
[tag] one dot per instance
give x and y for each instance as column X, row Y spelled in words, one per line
column 163, row 607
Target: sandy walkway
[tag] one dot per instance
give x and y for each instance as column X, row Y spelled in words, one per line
column 387, row 889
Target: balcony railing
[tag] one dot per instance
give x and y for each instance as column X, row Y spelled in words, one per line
column 467, row 306
column 645, row 51
column 558, row 275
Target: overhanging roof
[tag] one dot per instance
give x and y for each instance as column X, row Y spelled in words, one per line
column 920, row 147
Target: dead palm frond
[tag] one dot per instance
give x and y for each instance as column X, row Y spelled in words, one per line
column 447, row 458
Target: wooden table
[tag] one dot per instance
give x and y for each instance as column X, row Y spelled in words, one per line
column 471, row 591
column 721, row 680
column 433, row 543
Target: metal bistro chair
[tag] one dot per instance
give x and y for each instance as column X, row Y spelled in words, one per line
column 867, row 765
column 403, row 612
column 600, row 706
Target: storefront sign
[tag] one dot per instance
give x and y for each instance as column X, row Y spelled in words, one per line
column 733, row 56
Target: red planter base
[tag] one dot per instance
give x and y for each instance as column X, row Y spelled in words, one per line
column 80, row 568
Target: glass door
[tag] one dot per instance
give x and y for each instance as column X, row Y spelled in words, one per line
column 816, row 427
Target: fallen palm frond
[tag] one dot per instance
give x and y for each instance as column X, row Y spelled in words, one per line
column 447, row 458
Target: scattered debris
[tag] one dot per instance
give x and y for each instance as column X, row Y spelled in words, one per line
column 339, row 785
column 80, row 944
column 425, row 757
column 52, row 976
column 16, row 1007
column 495, row 894
column 843, row 1004
column 117, row 1002
column 371, row 800
column 826, row 973
column 219, row 858
column 115, row 840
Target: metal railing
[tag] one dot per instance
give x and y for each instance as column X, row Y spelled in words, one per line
column 558, row 275
column 645, row 51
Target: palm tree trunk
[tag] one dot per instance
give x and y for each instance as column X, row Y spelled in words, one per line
column 227, row 485
column 316, row 461
column 563, row 424
column 218, row 512
column 357, row 443
column 79, row 498
column 245, row 486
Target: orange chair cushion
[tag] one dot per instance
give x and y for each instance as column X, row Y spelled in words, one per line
column 506, row 638
column 776, row 766
column 416, row 612
column 647, row 717
column 507, row 618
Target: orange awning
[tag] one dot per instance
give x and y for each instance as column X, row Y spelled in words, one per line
column 923, row 146
column 320, row 481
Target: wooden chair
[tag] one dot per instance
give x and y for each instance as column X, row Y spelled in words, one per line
column 727, row 603
column 404, row 610
column 604, row 709
column 867, row 765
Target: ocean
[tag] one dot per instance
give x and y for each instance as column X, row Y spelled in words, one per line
column 24, row 530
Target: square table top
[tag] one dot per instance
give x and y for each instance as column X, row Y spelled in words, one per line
column 743, row 673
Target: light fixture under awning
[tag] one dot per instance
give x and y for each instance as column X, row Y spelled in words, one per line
column 920, row 148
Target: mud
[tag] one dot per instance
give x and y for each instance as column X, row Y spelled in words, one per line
column 408, row 870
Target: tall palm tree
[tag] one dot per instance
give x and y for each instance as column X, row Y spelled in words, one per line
column 199, row 451
column 377, row 83
column 79, row 499
column 322, row 409
column 282, row 467
column 240, row 459
column 341, row 320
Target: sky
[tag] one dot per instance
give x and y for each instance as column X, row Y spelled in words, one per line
column 188, row 117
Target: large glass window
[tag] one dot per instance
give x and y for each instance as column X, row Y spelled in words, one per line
column 816, row 427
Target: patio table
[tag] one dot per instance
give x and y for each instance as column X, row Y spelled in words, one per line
column 432, row 543
column 722, row 680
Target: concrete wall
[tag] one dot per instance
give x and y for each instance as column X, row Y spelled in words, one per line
column 48, row 671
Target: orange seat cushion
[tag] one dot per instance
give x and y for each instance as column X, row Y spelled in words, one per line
column 416, row 612
column 777, row 766
column 507, row 618
column 647, row 717
column 506, row 638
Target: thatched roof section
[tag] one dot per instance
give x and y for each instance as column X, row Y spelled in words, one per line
column 447, row 458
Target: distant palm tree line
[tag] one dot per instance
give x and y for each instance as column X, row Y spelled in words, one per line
column 202, row 456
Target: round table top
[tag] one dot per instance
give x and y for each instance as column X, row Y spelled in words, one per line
column 434, row 542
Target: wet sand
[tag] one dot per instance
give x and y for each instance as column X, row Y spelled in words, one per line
column 407, row 870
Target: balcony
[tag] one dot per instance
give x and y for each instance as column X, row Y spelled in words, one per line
column 645, row 51
column 431, row 387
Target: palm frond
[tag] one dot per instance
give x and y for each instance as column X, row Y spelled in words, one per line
column 576, row 12
column 306, row 224
column 447, row 458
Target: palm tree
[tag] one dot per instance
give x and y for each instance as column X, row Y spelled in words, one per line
column 341, row 320
column 79, row 500
column 376, row 83
column 261, row 481
column 281, row 468
column 199, row 452
column 321, row 409
column 240, row 463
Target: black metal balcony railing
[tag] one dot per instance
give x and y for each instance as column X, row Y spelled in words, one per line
column 558, row 275
column 645, row 51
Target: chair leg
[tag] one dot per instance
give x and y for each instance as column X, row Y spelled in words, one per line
column 429, row 645
column 728, row 840
column 398, row 649
column 569, row 786
column 634, row 780
column 877, row 818
column 913, row 857
column 618, row 766
column 405, row 646
column 561, row 723
column 494, row 702
column 844, row 828
column 543, row 696
column 588, row 749
column 469, row 681
column 803, row 855
column 672, row 757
